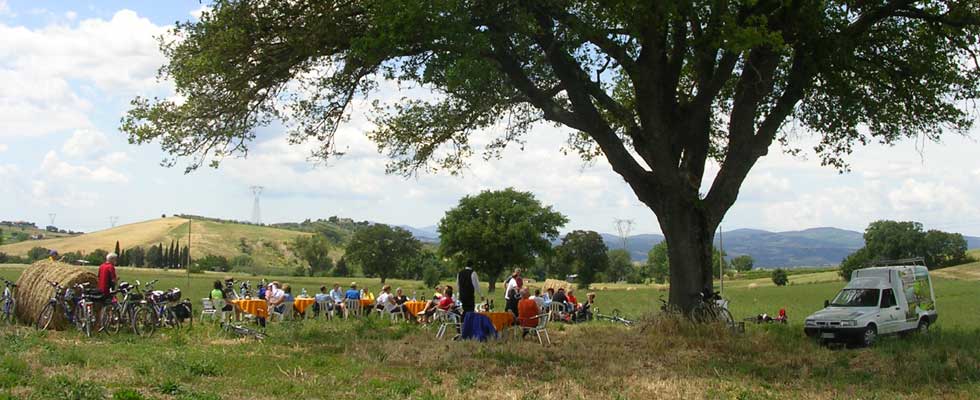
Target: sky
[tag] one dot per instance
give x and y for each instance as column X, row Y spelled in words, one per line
column 68, row 70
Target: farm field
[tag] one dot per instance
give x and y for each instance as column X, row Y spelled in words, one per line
column 375, row 359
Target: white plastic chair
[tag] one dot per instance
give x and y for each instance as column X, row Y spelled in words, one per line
column 542, row 327
column 556, row 309
column 325, row 309
column 353, row 307
column 447, row 319
column 287, row 311
column 208, row 309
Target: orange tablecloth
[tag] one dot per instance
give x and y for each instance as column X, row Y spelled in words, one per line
column 258, row 308
column 414, row 307
column 300, row 304
column 366, row 304
column 500, row 320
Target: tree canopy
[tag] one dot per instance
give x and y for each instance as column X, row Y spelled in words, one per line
column 586, row 252
column 620, row 265
column 656, row 88
column 497, row 230
column 315, row 251
column 893, row 240
column 383, row 251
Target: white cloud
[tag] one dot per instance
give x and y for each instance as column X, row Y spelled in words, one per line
column 200, row 11
column 85, row 143
column 117, row 157
column 71, row 15
column 55, row 167
column 44, row 69
column 4, row 8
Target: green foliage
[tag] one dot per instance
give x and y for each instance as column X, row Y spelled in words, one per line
column 136, row 256
column 431, row 275
column 779, row 277
column 620, row 265
column 658, row 263
column 213, row 262
column 154, row 256
column 127, row 394
column 96, row 257
column 341, row 268
column 498, row 229
column 890, row 240
column 242, row 261
column 37, row 253
column 586, row 252
column 743, row 263
column 315, row 251
column 72, row 256
column 383, row 251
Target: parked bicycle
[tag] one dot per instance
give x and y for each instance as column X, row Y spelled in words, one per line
column 170, row 311
column 76, row 307
column 614, row 317
column 7, row 304
column 119, row 313
column 242, row 331
column 711, row 307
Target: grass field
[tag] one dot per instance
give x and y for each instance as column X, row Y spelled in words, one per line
column 374, row 359
column 268, row 246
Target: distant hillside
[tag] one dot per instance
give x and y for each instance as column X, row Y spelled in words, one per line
column 268, row 246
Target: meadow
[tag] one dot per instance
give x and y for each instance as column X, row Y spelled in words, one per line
column 368, row 359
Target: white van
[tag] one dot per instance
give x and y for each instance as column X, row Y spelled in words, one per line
column 877, row 301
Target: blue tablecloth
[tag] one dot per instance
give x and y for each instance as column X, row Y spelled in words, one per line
column 479, row 327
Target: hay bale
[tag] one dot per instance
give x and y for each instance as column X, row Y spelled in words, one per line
column 33, row 291
column 556, row 284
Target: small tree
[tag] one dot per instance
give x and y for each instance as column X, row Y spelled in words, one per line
column 586, row 251
column 743, row 263
column 314, row 250
column 341, row 268
column 383, row 251
column 620, row 265
column 96, row 257
column 431, row 275
column 658, row 263
column 37, row 253
column 779, row 277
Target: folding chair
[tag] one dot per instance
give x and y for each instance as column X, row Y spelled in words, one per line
column 353, row 307
column 447, row 319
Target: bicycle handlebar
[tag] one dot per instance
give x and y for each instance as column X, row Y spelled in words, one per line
column 9, row 283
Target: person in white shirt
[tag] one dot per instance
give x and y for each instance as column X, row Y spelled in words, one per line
column 275, row 296
column 538, row 299
column 386, row 301
column 337, row 294
column 512, row 291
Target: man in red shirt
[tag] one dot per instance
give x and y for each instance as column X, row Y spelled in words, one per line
column 107, row 274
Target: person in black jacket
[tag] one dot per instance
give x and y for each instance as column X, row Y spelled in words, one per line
column 469, row 287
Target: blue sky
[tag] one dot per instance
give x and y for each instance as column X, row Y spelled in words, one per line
column 69, row 69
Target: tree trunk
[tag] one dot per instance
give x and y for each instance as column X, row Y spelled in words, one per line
column 689, row 235
column 491, row 285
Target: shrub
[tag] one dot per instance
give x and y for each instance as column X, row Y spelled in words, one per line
column 37, row 253
column 779, row 277
column 430, row 276
column 215, row 263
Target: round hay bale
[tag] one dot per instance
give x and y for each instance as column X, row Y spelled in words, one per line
column 33, row 290
column 753, row 285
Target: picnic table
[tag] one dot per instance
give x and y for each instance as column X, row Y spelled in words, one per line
column 301, row 303
column 256, row 307
column 500, row 320
column 367, row 304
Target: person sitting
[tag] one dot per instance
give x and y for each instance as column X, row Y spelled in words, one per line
column 385, row 301
column 276, row 297
column 366, row 294
column 527, row 312
column 448, row 303
column 322, row 297
column 782, row 316
column 546, row 296
column 572, row 302
column 425, row 316
column 218, row 293
column 537, row 299
column 585, row 311
column 337, row 296
column 559, row 297
column 400, row 300
column 352, row 293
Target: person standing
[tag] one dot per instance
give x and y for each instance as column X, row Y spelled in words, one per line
column 469, row 287
column 107, row 274
column 512, row 291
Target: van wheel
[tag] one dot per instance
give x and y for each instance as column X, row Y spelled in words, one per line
column 923, row 327
column 870, row 336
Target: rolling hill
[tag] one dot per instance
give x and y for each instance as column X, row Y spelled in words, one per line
column 268, row 246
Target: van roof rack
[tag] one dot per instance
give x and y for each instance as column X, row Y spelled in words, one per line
column 902, row 261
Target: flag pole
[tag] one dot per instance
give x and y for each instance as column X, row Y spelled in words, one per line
column 188, row 266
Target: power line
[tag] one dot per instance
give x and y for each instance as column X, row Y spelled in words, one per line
column 112, row 220
column 51, row 216
column 256, row 211
column 624, row 227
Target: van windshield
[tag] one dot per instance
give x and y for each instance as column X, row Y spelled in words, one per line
column 857, row 298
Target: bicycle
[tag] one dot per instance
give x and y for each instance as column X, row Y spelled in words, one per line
column 116, row 314
column 170, row 312
column 615, row 317
column 77, row 309
column 711, row 307
column 8, row 305
column 242, row 331
column 145, row 319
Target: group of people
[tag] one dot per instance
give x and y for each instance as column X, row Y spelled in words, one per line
column 517, row 293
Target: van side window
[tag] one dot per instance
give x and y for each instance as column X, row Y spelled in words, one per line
column 887, row 298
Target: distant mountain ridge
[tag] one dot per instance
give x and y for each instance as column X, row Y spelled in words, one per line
column 823, row 246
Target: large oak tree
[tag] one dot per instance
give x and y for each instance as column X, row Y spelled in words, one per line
column 658, row 88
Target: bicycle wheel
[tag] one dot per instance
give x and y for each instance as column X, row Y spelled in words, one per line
column 725, row 317
column 145, row 321
column 85, row 320
column 170, row 317
column 700, row 315
column 110, row 320
column 45, row 316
